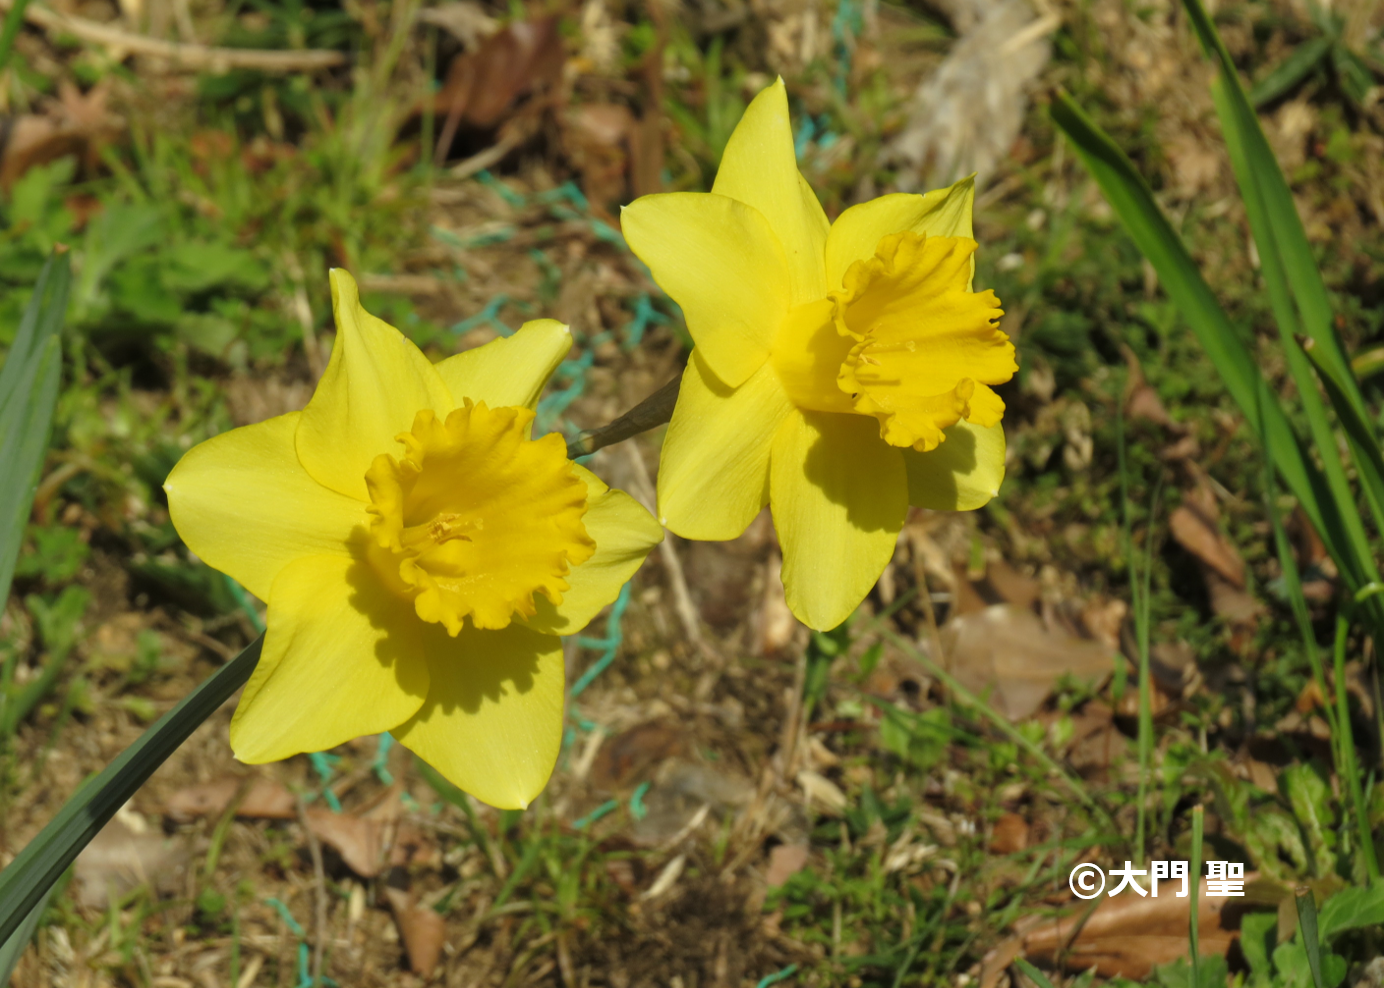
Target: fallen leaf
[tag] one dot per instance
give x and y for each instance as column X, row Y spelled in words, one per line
column 359, row 840
column 1009, row 652
column 423, row 931
column 1128, row 935
column 481, row 86
column 1196, row 532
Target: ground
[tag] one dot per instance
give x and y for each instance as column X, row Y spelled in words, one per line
column 899, row 801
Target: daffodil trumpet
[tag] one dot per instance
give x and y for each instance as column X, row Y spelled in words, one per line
column 419, row 551
column 842, row 371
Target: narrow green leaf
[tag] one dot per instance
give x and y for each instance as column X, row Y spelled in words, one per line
column 1298, row 298
column 1353, row 75
column 1364, row 447
column 1269, row 202
column 1291, row 71
column 28, row 393
column 13, row 947
column 1134, row 204
column 1194, row 883
column 32, row 873
column 1307, row 930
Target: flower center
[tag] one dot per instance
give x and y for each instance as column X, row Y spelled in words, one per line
column 476, row 517
column 903, row 340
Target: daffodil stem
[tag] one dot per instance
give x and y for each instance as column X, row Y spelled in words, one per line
column 653, row 411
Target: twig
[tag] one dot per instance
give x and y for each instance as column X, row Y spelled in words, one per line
column 189, row 56
column 319, row 933
column 652, row 411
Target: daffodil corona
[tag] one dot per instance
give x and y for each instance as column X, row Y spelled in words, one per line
column 419, row 553
column 841, row 371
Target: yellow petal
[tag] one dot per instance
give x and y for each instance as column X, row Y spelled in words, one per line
column 760, row 169
column 511, row 370
column 839, row 496
column 858, row 231
column 342, row 657
column 244, row 504
column 719, row 260
column 374, row 384
column 492, row 723
column 961, row 474
column 713, row 474
column 624, row 534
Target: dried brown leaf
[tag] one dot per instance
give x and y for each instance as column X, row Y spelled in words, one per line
column 1196, row 532
column 1010, row 652
column 1128, row 935
column 423, row 931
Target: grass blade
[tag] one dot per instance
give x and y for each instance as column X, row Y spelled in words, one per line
column 1289, row 72
column 28, row 393
column 27, row 879
column 1194, row 881
column 1350, row 765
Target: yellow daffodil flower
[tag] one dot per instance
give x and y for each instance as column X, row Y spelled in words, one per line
column 841, row 371
column 420, row 553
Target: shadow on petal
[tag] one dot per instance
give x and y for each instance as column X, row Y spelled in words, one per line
column 852, row 466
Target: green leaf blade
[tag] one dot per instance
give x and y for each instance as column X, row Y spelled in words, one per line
column 29, row 383
column 27, row 879
column 1291, row 71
